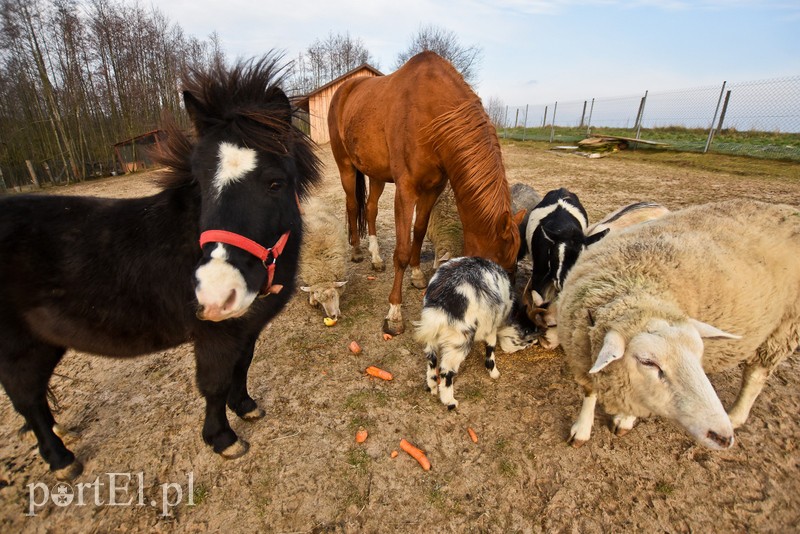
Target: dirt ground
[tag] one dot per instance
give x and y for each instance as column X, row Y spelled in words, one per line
column 141, row 419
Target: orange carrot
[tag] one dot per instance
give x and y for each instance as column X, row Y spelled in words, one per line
column 387, row 337
column 354, row 347
column 472, row 435
column 417, row 454
column 379, row 373
column 394, row 454
column 361, row 435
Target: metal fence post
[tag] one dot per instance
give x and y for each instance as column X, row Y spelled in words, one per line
column 505, row 124
column 553, row 122
column 716, row 111
column 583, row 114
column 724, row 110
column 525, row 125
column 589, row 123
column 640, row 115
column 544, row 118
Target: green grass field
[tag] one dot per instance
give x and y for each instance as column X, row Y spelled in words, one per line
column 770, row 145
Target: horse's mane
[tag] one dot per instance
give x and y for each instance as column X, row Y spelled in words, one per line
column 247, row 101
column 466, row 140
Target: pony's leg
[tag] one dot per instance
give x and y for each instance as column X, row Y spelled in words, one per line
column 24, row 374
column 348, row 176
column 424, row 206
column 215, row 363
column 239, row 400
column 375, row 192
column 404, row 202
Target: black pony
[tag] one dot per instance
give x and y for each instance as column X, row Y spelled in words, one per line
column 210, row 259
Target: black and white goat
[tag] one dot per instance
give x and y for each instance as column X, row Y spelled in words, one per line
column 468, row 299
column 555, row 236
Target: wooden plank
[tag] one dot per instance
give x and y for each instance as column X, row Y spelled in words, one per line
column 628, row 139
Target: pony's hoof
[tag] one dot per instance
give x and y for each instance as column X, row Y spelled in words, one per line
column 64, row 433
column 235, row 450
column 254, row 415
column 69, row 473
column 576, row 443
column 393, row 328
column 378, row 266
column 419, row 283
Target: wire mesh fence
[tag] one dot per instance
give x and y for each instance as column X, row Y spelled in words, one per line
column 760, row 118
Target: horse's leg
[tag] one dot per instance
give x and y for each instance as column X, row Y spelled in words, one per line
column 424, row 206
column 24, row 374
column 216, row 358
column 404, row 202
column 375, row 192
column 239, row 400
column 347, row 172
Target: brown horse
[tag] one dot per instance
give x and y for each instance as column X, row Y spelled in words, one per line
column 420, row 127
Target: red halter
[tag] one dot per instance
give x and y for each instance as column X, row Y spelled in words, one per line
column 239, row 241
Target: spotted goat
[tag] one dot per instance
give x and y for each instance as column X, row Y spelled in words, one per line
column 468, row 299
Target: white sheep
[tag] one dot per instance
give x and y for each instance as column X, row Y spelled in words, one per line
column 323, row 256
column 649, row 296
column 444, row 228
column 624, row 217
column 468, row 299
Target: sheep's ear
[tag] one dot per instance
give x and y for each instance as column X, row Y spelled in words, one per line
column 613, row 348
column 339, row 284
column 710, row 332
column 305, row 288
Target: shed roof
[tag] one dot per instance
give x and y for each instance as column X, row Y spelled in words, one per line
column 302, row 101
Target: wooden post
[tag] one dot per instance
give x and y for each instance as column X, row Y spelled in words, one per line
column 49, row 174
column 2, row 182
column 32, row 172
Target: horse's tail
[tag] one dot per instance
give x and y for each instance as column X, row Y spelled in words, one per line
column 361, row 203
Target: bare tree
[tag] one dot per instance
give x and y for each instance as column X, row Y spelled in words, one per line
column 325, row 60
column 496, row 109
column 466, row 59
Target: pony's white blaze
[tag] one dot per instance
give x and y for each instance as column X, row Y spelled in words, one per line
column 234, row 163
column 221, row 289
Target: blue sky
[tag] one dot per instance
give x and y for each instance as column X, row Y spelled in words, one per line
column 534, row 52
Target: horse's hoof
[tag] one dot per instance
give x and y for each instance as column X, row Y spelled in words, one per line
column 419, row 283
column 378, row 266
column 235, row 450
column 254, row 415
column 576, row 443
column 69, row 473
column 393, row 328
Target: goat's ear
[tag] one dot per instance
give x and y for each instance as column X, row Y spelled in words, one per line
column 711, row 332
column 594, row 238
column 613, row 349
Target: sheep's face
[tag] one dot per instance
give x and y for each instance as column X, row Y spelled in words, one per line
column 326, row 296
column 664, row 376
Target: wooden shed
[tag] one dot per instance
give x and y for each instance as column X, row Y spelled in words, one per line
column 133, row 153
column 317, row 103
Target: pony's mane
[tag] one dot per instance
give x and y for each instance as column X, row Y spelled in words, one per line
column 466, row 140
column 247, row 101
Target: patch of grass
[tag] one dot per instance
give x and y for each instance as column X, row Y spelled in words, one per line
column 471, row 393
column 200, row 494
column 664, row 488
column 507, row 468
column 362, row 400
column 359, row 459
